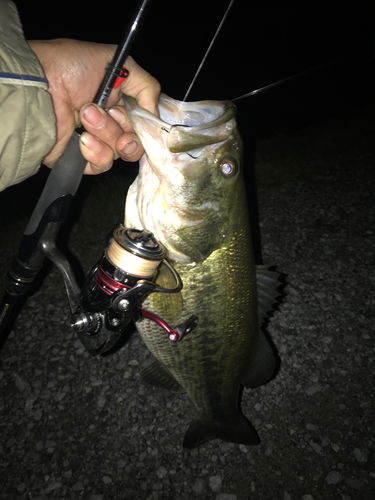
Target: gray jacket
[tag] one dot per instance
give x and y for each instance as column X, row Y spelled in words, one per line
column 27, row 121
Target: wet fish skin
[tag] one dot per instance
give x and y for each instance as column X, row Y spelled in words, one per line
column 200, row 216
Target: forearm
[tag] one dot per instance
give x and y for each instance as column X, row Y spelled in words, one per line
column 27, row 124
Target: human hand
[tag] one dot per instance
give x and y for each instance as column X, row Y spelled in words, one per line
column 74, row 71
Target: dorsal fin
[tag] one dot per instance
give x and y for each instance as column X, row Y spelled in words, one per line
column 267, row 285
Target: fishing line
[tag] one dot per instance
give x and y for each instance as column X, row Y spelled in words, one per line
column 208, row 50
column 129, row 262
column 266, row 87
column 287, row 79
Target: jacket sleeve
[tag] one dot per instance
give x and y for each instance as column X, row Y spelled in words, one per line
column 27, row 121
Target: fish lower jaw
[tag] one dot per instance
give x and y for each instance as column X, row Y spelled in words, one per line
column 178, row 258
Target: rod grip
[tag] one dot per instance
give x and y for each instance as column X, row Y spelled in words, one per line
column 63, row 180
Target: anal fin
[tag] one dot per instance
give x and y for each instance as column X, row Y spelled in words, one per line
column 155, row 374
column 262, row 366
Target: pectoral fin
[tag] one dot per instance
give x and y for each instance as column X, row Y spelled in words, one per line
column 241, row 431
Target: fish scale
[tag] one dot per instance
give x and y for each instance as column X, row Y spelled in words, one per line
column 200, row 215
column 202, row 293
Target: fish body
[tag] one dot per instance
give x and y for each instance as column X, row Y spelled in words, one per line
column 190, row 193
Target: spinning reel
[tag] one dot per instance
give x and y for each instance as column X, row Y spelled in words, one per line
column 117, row 284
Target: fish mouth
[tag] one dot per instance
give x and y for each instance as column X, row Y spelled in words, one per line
column 189, row 125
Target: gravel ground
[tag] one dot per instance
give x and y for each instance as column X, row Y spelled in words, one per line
column 77, row 427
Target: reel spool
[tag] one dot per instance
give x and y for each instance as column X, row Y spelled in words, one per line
column 135, row 252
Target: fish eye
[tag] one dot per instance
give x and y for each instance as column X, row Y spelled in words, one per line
column 228, row 168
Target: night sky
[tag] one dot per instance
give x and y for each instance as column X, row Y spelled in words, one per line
column 260, row 42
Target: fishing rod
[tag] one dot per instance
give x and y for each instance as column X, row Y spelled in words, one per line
column 51, row 210
column 112, row 291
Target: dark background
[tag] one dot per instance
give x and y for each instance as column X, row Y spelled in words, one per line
column 260, row 42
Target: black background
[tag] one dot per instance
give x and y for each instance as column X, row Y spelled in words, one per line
column 260, row 42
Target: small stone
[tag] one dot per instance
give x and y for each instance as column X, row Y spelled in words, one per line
column 158, row 486
column 106, row 480
column 101, row 401
column 312, row 427
column 287, row 496
column 325, row 441
column 51, row 487
column 96, row 497
column 316, row 447
column 121, row 365
column 215, row 483
column 226, row 496
column 356, row 484
column 161, row 472
column 22, row 385
column 360, row 455
column 133, row 362
column 313, row 389
column 39, row 446
column 335, row 447
column 37, row 415
column 269, row 449
column 29, row 403
column 78, row 486
column 199, row 486
column 244, row 448
column 307, row 497
column 333, row 477
column 21, row 487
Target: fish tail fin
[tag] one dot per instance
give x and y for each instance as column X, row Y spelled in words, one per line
column 241, row 432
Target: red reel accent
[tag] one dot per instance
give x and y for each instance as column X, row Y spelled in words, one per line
column 106, row 283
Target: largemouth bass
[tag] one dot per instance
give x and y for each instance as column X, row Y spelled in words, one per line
column 190, row 193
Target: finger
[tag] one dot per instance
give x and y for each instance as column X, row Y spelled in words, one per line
column 119, row 114
column 97, row 153
column 142, row 86
column 98, row 123
column 129, row 147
